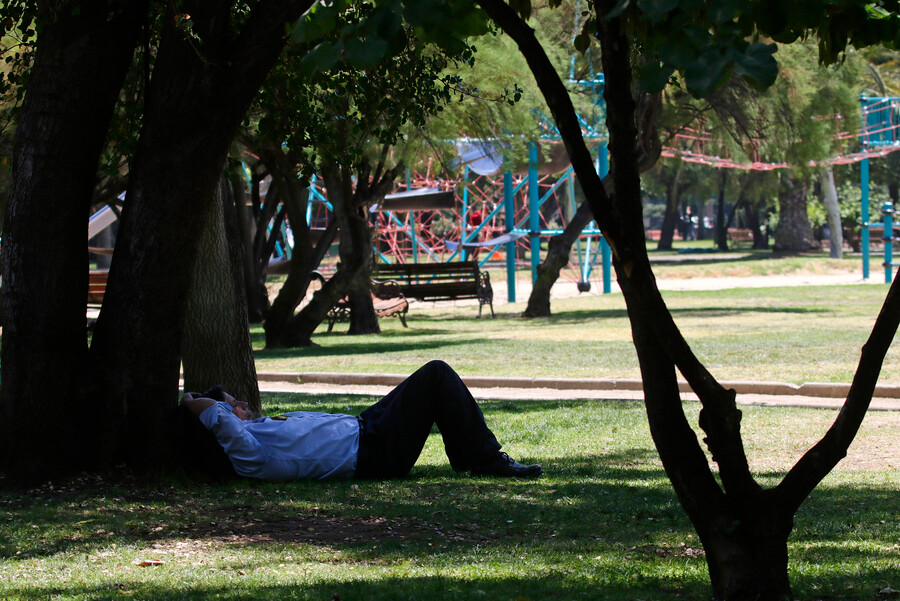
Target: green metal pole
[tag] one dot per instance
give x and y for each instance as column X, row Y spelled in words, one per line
column 510, row 208
column 864, row 226
column 534, row 217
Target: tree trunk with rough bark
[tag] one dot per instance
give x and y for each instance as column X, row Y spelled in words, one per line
column 672, row 214
column 721, row 226
column 353, row 274
column 306, row 254
column 558, row 250
column 794, row 231
column 194, row 104
column 216, row 348
column 760, row 239
column 830, row 200
column 80, row 63
column 254, row 282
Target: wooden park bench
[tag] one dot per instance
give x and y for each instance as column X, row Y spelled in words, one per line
column 387, row 300
column 440, row 281
column 97, row 286
column 740, row 236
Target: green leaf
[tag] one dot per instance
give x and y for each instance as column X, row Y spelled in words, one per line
column 707, row 73
column 321, row 58
column 654, row 76
column 690, row 5
column 522, row 8
column 678, row 50
column 582, row 43
column 722, row 11
column 364, row 52
column 314, row 25
column 656, row 10
column 757, row 64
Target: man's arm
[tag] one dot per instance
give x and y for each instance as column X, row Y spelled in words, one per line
column 196, row 406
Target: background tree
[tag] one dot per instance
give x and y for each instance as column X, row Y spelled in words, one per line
column 347, row 116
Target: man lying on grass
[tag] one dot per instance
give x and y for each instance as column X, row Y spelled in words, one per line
column 384, row 441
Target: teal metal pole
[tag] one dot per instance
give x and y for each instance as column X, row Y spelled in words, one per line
column 534, row 216
column 510, row 208
column 605, row 251
column 411, row 216
column 888, row 218
column 864, row 226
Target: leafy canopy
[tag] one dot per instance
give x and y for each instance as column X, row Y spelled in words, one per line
column 701, row 44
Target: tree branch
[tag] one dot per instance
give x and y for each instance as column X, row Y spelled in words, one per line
column 824, row 455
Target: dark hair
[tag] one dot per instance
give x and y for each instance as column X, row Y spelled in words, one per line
column 216, row 393
column 201, row 453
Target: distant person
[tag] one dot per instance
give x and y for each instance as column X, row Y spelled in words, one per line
column 384, row 441
column 690, row 225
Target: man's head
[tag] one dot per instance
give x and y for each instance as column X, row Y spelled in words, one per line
column 239, row 408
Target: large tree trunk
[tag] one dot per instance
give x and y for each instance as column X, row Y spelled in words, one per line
column 558, row 250
column 760, row 239
column 671, row 216
column 216, row 348
column 80, row 63
column 194, row 105
column 355, row 247
column 254, row 281
column 721, row 226
column 794, row 232
column 830, row 200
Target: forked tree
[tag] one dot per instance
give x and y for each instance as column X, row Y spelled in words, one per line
column 743, row 526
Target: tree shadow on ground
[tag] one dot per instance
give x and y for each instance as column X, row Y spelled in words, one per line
column 561, row 585
column 380, row 345
column 587, row 315
column 617, row 505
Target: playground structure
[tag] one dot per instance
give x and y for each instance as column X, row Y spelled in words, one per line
column 487, row 211
column 498, row 217
column 503, row 216
column 878, row 136
column 490, row 213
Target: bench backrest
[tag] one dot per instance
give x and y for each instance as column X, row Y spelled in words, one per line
column 433, row 281
column 97, row 285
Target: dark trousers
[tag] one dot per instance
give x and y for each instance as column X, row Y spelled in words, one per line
column 393, row 430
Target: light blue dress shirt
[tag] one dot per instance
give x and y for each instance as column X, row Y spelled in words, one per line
column 304, row 445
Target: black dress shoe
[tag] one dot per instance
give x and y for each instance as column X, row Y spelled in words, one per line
column 504, row 466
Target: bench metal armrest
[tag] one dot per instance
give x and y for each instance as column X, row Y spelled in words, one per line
column 387, row 289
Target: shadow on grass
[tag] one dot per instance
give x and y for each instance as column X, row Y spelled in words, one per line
column 385, row 344
column 560, row 585
column 354, row 404
column 586, row 315
column 615, row 507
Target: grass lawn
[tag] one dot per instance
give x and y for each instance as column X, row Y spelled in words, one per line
column 796, row 335
column 602, row 524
